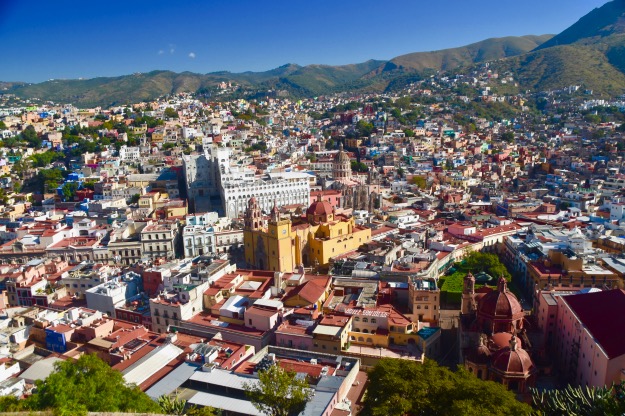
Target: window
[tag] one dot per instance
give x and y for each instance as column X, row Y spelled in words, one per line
column 365, row 320
column 373, row 321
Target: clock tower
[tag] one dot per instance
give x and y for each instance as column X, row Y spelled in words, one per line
column 281, row 251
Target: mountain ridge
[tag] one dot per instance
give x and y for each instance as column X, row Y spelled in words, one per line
column 589, row 53
column 600, row 22
column 309, row 80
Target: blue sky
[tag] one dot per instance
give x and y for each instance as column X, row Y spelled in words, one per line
column 74, row 39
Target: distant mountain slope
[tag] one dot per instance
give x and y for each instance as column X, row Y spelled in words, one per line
column 566, row 65
column 372, row 75
column 110, row 91
column 486, row 50
column 603, row 21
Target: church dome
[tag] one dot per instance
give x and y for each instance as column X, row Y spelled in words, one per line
column 319, row 208
column 512, row 361
column 500, row 304
column 341, row 156
column 501, row 340
column 480, row 354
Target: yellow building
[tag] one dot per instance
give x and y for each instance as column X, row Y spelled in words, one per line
column 286, row 244
column 353, row 142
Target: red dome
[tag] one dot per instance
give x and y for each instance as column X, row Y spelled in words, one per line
column 501, row 340
column 479, row 296
column 479, row 355
column 319, row 208
column 500, row 304
column 512, row 362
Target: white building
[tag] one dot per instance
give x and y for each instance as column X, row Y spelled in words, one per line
column 287, row 188
column 108, row 296
column 617, row 209
column 183, row 296
column 212, row 184
column 202, row 176
column 228, row 240
column 159, row 240
column 198, row 240
column 129, row 153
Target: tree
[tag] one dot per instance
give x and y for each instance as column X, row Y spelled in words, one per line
column 88, row 385
column 508, row 137
column 399, row 387
column 171, row 113
column 49, row 179
column 409, row 133
column 364, row 128
column 592, row 118
column 3, row 126
column 420, row 181
column 358, row 166
column 580, row 401
column 69, row 191
column 11, row 404
column 135, row 198
column 278, row 392
column 90, row 184
column 44, row 159
column 486, row 262
column 30, row 136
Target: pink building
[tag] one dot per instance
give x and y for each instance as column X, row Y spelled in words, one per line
column 590, row 337
column 295, row 335
column 261, row 318
column 331, row 196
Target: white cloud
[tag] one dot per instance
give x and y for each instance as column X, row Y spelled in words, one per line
column 172, row 50
column 192, row 55
column 160, row 52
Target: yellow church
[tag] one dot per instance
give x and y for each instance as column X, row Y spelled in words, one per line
column 285, row 244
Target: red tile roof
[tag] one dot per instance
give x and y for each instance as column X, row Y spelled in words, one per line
column 310, row 291
column 594, row 311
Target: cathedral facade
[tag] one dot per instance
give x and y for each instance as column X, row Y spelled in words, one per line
column 287, row 244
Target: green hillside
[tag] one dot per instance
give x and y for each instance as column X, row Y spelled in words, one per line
column 486, row 50
column 606, row 20
column 562, row 66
